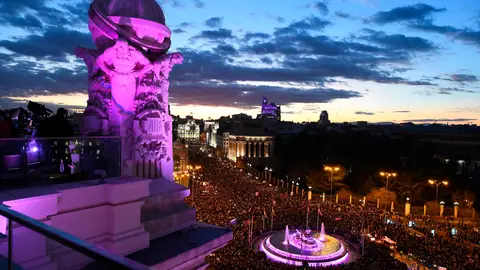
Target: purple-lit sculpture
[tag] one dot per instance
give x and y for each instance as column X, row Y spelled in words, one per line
column 305, row 246
column 128, row 82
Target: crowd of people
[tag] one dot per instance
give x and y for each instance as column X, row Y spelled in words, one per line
column 231, row 194
column 20, row 130
column 20, row 123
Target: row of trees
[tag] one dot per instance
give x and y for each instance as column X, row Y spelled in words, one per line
column 360, row 157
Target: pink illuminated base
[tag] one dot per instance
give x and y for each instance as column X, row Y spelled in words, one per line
column 297, row 260
column 274, row 249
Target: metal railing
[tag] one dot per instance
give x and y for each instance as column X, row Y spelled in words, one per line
column 106, row 259
column 41, row 161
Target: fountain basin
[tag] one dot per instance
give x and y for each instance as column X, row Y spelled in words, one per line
column 333, row 251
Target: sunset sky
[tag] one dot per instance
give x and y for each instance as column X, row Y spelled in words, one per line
column 371, row 60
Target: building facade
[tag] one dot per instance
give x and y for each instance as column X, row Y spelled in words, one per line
column 189, row 129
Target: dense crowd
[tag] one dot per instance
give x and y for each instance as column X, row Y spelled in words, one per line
column 232, row 194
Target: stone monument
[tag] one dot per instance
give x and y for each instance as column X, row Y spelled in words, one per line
column 128, row 83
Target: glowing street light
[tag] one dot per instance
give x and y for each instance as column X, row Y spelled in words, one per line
column 387, row 175
column 437, row 184
column 331, row 170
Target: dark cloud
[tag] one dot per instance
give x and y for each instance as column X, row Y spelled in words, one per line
column 266, row 60
column 178, row 31
column 344, row 15
column 173, row 3
column 35, row 15
column 214, row 22
column 27, row 21
column 401, row 111
column 211, row 94
column 226, row 49
column 17, row 6
column 321, row 6
column 55, row 43
column 181, row 3
column 77, row 13
column 280, row 19
column 199, row 4
column 25, row 78
column 249, row 36
column 215, row 35
column 450, row 90
column 418, row 12
column 464, row 78
column 209, row 76
column 185, row 24
column 364, row 113
column 212, row 66
column 466, row 35
column 311, row 23
column 431, row 120
column 399, row 41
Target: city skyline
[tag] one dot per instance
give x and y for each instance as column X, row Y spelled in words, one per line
column 375, row 61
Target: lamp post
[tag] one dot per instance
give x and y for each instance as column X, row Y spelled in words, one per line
column 437, row 184
column 387, row 175
column 270, row 174
column 331, row 170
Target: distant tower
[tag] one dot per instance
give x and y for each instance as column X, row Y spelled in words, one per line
column 324, row 118
column 270, row 110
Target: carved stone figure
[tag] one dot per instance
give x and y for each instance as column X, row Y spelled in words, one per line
column 161, row 69
column 89, row 56
column 163, row 66
column 124, row 65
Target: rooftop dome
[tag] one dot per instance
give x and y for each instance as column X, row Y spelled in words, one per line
column 142, row 9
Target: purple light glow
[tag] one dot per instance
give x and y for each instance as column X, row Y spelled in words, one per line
column 32, row 146
column 288, row 260
column 269, row 246
column 308, row 243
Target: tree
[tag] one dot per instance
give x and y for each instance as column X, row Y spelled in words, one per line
column 409, row 185
column 320, row 179
column 464, row 198
column 379, row 193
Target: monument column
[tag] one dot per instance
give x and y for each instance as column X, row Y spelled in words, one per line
column 247, row 152
column 128, row 89
column 254, row 149
column 244, row 146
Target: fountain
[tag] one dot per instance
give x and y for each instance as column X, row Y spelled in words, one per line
column 303, row 245
column 285, row 242
column 322, row 234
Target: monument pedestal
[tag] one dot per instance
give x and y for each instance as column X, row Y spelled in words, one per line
column 145, row 219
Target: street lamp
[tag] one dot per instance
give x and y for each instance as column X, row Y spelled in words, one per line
column 437, row 184
column 331, row 170
column 387, row 175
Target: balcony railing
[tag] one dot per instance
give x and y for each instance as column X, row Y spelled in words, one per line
column 46, row 161
column 25, row 238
